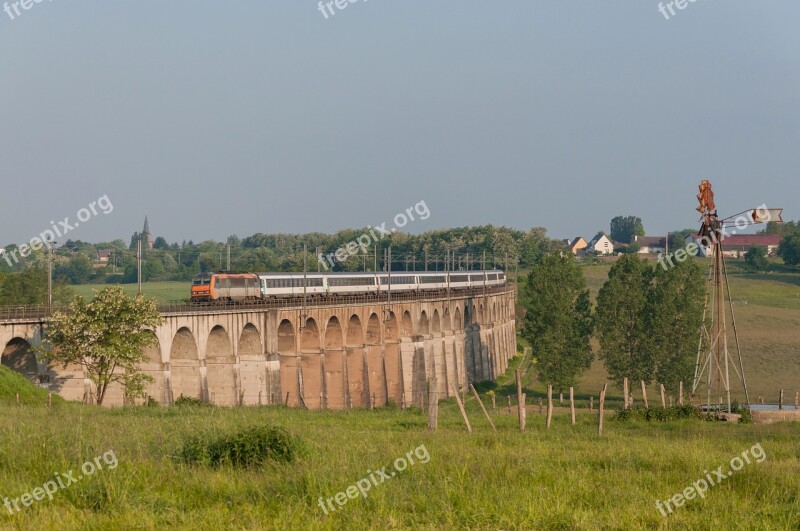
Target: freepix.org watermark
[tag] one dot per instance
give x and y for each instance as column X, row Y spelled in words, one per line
column 58, row 230
column 701, row 486
column 763, row 214
column 363, row 242
column 61, row 481
column 326, row 8
column 13, row 9
column 363, row 485
column 668, row 8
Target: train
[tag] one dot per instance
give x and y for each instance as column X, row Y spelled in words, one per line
column 230, row 288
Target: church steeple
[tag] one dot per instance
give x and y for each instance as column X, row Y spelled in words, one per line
column 146, row 235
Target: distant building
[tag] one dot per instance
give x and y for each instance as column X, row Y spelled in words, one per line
column 600, row 245
column 577, row 245
column 736, row 245
column 651, row 244
column 146, row 235
column 104, row 256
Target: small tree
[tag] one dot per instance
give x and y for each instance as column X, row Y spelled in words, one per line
column 789, row 248
column 107, row 336
column 756, row 258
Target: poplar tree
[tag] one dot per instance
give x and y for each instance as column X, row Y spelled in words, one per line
column 558, row 322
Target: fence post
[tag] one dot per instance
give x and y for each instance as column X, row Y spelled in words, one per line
column 680, row 393
column 663, row 403
column 520, row 401
column 644, row 395
column 549, row 404
column 625, row 393
column 601, row 410
column 780, row 400
column 572, row 404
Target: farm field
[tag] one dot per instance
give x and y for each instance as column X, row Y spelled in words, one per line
column 163, row 291
column 564, row 478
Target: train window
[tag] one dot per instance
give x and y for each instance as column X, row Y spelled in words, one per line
column 432, row 280
column 459, row 278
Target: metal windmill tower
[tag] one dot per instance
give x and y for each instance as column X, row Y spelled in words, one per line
column 713, row 357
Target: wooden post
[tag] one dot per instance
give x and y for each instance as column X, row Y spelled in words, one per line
column 560, row 398
column 17, row 398
column 520, row 401
column 625, row 393
column 494, row 403
column 663, row 402
column 480, row 402
column 433, row 407
column 572, row 404
column 644, row 395
column 549, row 405
column 524, row 412
column 49, row 399
column 780, row 400
column 541, row 408
column 601, row 410
column 630, row 399
column 461, row 408
column 680, row 393
column 591, row 404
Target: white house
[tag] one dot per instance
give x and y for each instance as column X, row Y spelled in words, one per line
column 600, row 245
column 651, row 244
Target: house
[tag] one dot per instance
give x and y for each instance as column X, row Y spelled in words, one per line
column 736, row 245
column 600, row 245
column 577, row 245
column 651, row 244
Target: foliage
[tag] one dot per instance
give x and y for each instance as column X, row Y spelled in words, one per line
column 30, row 287
column 674, row 314
column 624, row 228
column 756, row 258
column 789, row 249
column 190, row 401
column 107, row 336
column 621, row 326
column 249, row 447
column 558, row 321
column 648, row 320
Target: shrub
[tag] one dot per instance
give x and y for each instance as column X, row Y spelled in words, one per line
column 249, row 447
column 190, row 401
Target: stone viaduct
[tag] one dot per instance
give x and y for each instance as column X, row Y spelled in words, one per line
column 328, row 355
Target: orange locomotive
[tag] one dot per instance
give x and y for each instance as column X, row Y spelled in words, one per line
column 226, row 287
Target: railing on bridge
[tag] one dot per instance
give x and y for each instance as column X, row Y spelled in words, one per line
column 41, row 312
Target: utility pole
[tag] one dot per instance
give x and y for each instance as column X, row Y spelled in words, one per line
column 229, row 257
column 139, row 266
column 50, row 272
column 376, row 258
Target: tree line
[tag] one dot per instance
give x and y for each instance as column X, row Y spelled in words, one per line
column 646, row 320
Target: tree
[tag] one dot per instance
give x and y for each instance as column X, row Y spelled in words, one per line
column 789, row 249
column 30, row 287
column 624, row 228
column 621, row 320
column 756, row 258
column 107, row 336
column 558, row 322
column 160, row 243
column 675, row 312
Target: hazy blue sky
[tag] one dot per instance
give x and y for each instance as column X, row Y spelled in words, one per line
column 239, row 117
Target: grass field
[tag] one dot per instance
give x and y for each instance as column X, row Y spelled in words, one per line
column 163, row 291
column 564, row 478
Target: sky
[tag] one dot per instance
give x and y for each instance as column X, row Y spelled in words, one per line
column 265, row 116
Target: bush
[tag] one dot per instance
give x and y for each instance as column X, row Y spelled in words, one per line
column 191, row 401
column 249, row 447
